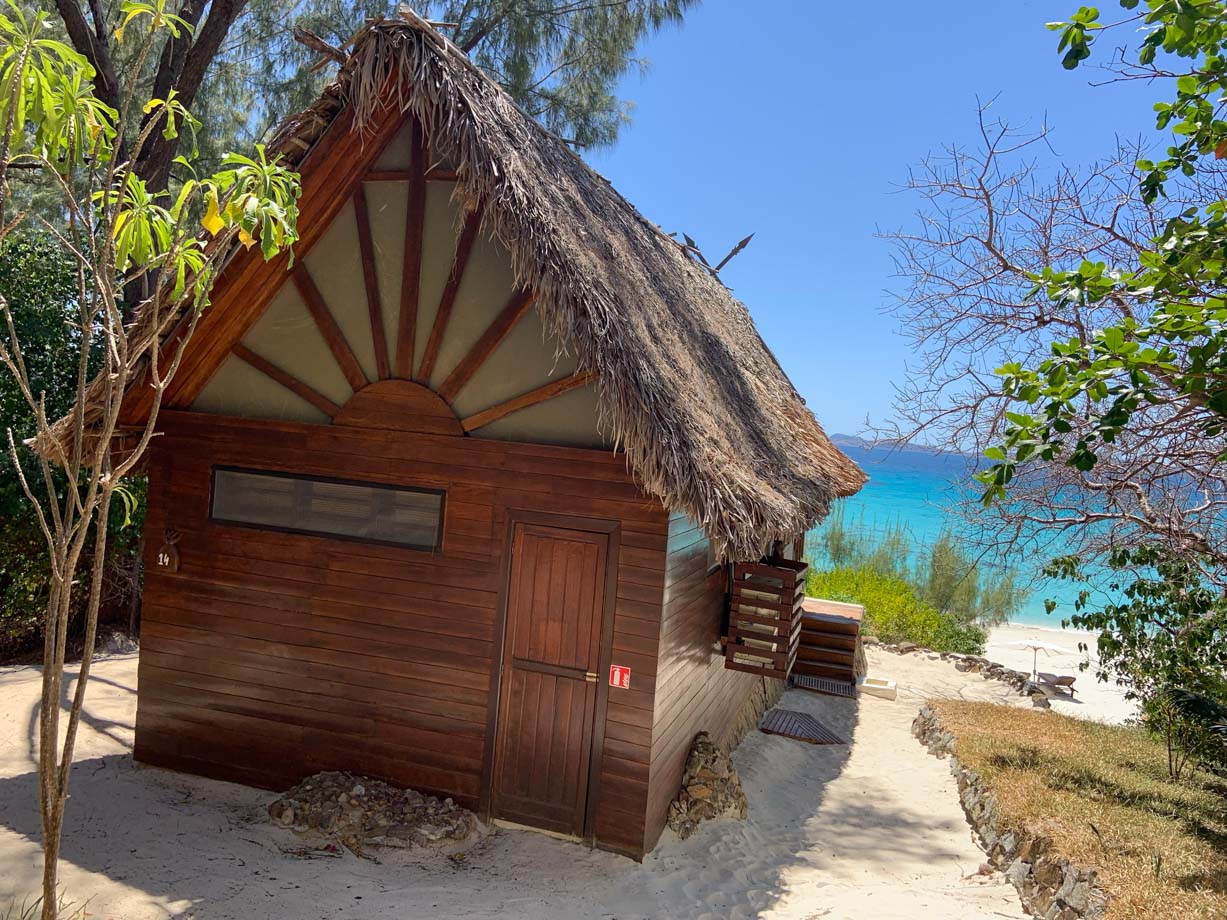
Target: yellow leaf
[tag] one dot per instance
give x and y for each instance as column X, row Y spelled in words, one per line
column 213, row 220
column 246, row 238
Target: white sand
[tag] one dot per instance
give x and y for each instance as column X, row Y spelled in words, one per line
column 1093, row 699
column 869, row 829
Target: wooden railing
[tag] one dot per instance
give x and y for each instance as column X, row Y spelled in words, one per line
column 765, row 617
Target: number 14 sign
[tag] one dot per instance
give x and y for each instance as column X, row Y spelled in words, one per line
column 619, row 676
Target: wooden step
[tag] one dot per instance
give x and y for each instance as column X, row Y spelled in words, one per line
column 819, row 653
column 822, row 638
column 831, row 624
column 825, row 669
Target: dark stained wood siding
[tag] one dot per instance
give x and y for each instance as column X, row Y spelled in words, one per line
column 269, row 656
column 694, row 691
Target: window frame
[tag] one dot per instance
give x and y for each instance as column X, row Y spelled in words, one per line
column 332, row 480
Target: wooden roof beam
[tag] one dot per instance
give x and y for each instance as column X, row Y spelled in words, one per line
column 411, row 267
column 531, row 398
column 287, row 380
column 464, row 247
column 328, row 328
column 366, row 248
column 482, row 348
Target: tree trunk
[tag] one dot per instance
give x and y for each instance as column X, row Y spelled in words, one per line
column 51, row 865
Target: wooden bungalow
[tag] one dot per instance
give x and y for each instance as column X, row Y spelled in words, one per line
column 452, row 501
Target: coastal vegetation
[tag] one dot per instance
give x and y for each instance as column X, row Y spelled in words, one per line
column 937, row 595
column 893, row 612
column 1072, row 329
column 1103, row 797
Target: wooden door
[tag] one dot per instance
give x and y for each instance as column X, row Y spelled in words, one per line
column 551, row 651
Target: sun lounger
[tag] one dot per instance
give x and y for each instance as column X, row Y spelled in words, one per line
column 1061, row 683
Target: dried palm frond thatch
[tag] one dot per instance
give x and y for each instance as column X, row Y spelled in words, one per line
column 708, row 420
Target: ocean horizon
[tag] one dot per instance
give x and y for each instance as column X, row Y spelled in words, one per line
column 916, row 488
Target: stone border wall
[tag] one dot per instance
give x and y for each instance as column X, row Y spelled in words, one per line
column 1051, row 888
column 989, row 670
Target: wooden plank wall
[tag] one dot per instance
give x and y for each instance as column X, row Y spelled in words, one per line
column 694, row 691
column 270, row 656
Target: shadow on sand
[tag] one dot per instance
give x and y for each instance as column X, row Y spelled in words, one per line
column 143, row 842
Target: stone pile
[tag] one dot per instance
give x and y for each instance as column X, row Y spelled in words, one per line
column 361, row 812
column 711, row 788
column 1051, row 888
column 977, row 664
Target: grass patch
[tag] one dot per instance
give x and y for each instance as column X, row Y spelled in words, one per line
column 33, row 909
column 1102, row 794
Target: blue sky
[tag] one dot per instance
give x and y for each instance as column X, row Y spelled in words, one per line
column 799, row 120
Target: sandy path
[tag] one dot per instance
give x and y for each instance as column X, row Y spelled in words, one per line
column 871, row 829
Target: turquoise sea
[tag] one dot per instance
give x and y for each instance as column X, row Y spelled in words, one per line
column 915, row 488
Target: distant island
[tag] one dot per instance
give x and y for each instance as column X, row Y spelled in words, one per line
column 891, row 444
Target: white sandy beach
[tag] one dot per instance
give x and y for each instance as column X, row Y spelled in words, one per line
column 868, row 829
column 1093, row 699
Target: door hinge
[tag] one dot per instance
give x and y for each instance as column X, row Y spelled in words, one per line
column 590, row 677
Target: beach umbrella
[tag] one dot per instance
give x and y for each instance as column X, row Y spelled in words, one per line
column 1036, row 647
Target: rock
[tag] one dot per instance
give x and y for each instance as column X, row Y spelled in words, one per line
column 963, row 666
column 870, row 640
column 711, row 788
column 906, row 647
column 281, row 812
column 1018, row 872
column 1041, row 902
column 1009, row 845
column 1049, row 874
column 1078, row 898
column 359, row 811
column 990, row 838
column 1039, row 701
column 115, row 643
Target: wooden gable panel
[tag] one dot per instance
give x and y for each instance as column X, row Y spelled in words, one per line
column 330, row 174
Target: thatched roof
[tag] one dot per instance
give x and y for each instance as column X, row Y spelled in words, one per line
column 708, row 420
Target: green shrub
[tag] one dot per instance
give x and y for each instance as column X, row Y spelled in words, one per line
column 39, row 281
column 893, row 612
column 946, row 573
